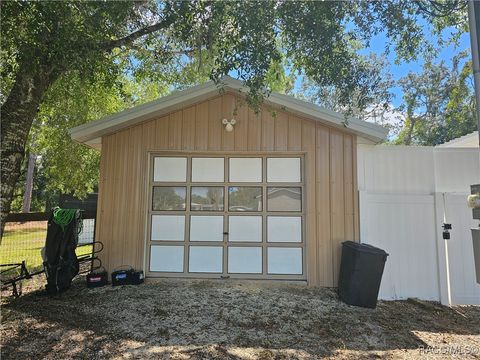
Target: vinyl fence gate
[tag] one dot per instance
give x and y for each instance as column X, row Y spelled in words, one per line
column 406, row 194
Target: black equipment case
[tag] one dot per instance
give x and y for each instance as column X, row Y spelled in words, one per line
column 97, row 278
column 137, row 277
column 127, row 277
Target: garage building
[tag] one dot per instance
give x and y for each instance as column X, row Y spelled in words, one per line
column 273, row 198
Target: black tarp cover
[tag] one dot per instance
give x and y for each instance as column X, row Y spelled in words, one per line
column 60, row 261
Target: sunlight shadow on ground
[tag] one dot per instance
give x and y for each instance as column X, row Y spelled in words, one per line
column 205, row 319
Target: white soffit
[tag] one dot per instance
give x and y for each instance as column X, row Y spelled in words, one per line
column 90, row 134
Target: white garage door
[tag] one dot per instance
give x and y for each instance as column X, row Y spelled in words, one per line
column 226, row 216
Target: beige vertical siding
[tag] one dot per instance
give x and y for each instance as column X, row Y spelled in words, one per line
column 330, row 167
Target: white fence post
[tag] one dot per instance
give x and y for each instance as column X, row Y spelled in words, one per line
column 442, row 252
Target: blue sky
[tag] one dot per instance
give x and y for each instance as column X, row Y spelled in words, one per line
column 398, row 70
column 403, row 68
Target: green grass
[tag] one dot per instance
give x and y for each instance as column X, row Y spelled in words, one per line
column 25, row 243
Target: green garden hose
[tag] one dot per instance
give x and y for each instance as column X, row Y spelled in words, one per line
column 63, row 217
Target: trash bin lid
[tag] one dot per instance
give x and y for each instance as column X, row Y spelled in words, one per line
column 364, row 248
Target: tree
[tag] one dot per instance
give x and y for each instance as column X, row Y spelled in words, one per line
column 68, row 167
column 45, row 41
column 425, row 97
column 461, row 117
column 438, row 102
column 371, row 102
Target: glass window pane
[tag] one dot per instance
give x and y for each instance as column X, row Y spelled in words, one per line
column 284, row 199
column 245, row 170
column 284, row 229
column 245, row 260
column 206, row 228
column 243, row 198
column 168, row 227
column 208, row 169
column 206, row 198
column 286, row 261
column 170, row 169
column 168, row 198
column 245, row 228
column 166, row 258
column 206, row 259
column 283, row 170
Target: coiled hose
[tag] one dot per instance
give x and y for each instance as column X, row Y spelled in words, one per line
column 63, row 217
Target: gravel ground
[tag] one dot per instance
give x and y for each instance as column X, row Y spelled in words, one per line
column 185, row 319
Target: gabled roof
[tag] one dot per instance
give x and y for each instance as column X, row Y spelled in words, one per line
column 465, row 141
column 90, row 134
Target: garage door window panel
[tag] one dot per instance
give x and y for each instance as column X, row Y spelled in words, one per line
column 280, row 169
column 284, row 261
column 206, row 228
column 166, row 258
column 284, row 199
column 245, row 170
column 244, row 260
column 207, row 198
column 245, row 228
column 169, row 198
column 243, row 198
column 169, row 169
column 284, row 229
column 206, row 259
column 208, row 170
column 168, row 227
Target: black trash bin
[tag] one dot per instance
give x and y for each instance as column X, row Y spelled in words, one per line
column 361, row 271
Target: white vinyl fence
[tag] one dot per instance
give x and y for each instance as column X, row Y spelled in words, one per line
column 464, row 289
column 405, row 194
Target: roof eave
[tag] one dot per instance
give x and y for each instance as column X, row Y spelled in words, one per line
column 368, row 130
column 138, row 114
column 90, row 134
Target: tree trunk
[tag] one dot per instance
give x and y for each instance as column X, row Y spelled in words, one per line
column 27, row 195
column 18, row 113
column 408, row 137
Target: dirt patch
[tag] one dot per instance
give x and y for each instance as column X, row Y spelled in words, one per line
column 229, row 320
